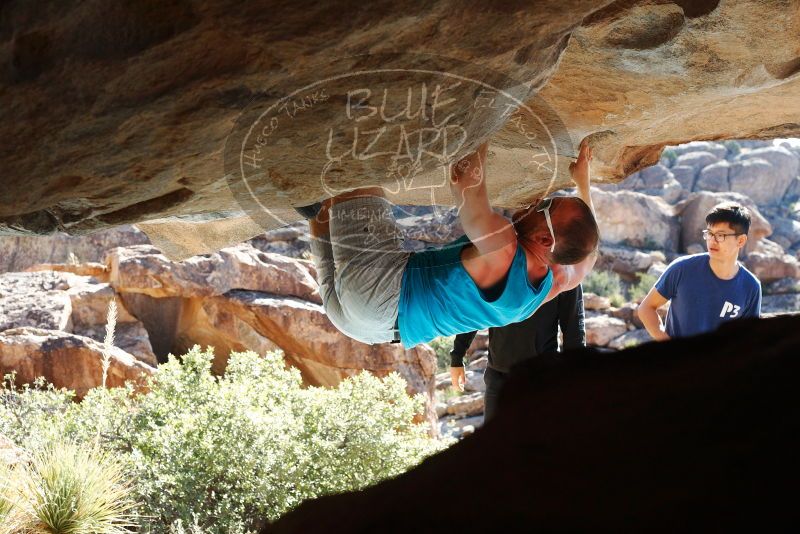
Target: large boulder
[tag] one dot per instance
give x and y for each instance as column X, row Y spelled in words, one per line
column 657, row 180
column 35, row 299
column 144, row 270
column 627, row 261
column 693, row 213
column 769, row 262
column 242, row 298
column 787, row 228
column 601, row 329
column 636, row 220
column 65, row 360
column 655, row 177
column 716, row 149
column 685, row 175
column 696, row 160
column 764, row 174
column 714, row 178
column 61, row 300
column 18, row 253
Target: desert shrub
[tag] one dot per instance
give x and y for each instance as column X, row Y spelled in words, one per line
column 639, row 290
column 32, row 416
column 606, row 284
column 669, row 156
column 734, row 148
column 442, row 347
column 10, row 522
column 219, row 454
column 66, row 489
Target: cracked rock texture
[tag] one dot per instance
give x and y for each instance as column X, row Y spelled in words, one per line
column 117, row 113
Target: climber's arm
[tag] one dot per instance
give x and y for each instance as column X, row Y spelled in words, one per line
column 492, row 234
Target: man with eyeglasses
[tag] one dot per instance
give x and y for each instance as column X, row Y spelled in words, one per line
column 706, row 290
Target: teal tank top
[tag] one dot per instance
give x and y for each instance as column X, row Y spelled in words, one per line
column 439, row 298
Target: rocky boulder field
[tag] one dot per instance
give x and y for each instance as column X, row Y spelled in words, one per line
column 262, row 294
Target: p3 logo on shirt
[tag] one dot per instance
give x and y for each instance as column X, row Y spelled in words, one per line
column 729, row 308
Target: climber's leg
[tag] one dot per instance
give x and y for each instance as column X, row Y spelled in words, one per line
column 322, row 255
column 358, row 252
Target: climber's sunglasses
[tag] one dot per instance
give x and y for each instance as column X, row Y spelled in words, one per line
column 544, row 206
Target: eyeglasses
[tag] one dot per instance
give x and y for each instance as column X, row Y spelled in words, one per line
column 719, row 237
column 544, row 206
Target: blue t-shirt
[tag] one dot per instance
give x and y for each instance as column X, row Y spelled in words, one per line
column 700, row 301
column 439, row 298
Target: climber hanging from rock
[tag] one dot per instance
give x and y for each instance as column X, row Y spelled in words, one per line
column 499, row 273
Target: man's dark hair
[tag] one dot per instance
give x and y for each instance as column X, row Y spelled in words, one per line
column 736, row 215
column 578, row 237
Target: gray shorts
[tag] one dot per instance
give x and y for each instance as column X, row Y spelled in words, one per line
column 360, row 269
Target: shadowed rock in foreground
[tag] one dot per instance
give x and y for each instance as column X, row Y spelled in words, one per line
column 696, row 434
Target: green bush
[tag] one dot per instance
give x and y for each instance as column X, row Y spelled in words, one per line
column 734, row 148
column 219, row 454
column 10, row 521
column 669, row 155
column 605, row 284
column 442, row 347
column 644, row 282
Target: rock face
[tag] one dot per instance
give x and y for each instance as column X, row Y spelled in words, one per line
column 65, row 360
column 18, row 253
column 620, row 217
column 135, row 126
column 627, row 261
column 764, row 174
column 35, row 299
column 601, row 329
column 769, row 262
column 671, row 410
column 66, row 302
column 143, row 269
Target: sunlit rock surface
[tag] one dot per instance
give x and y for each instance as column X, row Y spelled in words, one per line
column 118, row 113
column 65, row 360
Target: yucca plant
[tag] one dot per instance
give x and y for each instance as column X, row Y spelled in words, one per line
column 68, row 490
column 108, row 342
column 10, row 521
